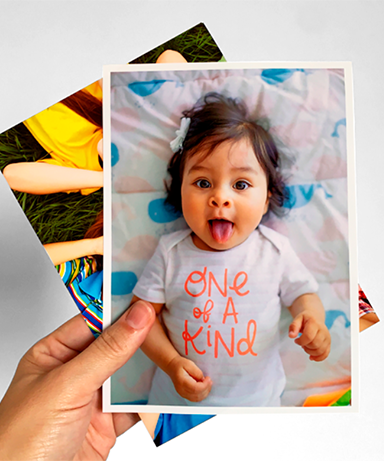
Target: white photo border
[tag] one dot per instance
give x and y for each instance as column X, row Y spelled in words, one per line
column 352, row 231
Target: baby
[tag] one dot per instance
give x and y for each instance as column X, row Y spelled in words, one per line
column 219, row 285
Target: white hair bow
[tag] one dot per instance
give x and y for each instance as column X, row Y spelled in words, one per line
column 181, row 133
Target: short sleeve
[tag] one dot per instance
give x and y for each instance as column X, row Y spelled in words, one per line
column 67, row 272
column 79, row 269
column 151, row 285
column 296, row 279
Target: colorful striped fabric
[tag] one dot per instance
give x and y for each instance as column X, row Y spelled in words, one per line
column 84, row 282
column 364, row 305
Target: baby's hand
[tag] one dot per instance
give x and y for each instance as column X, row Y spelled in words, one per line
column 188, row 379
column 315, row 338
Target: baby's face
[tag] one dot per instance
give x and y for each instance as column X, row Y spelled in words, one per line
column 224, row 196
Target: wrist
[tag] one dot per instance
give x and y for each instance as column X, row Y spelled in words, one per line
column 308, row 305
column 91, row 245
column 317, row 315
column 100, row 179
column 170, row 367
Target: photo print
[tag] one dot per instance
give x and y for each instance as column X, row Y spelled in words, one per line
column 230, row 207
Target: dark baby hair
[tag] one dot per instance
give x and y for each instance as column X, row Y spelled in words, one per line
column 215, row 119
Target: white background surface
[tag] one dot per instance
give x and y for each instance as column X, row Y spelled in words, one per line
column 52, row 49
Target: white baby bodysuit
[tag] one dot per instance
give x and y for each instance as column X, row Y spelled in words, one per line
column 222, row 311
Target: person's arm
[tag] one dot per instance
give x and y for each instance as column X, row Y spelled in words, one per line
column 52, row 409
column 188, row 379
column 44, row 178
column 61, row 252
column 309, row 319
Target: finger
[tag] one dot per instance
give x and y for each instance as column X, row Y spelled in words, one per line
column 60, row 346
column 309, row 333
column 112, row 349
column 295, row 326
column 317, row 342
column 75, row 334
column 190, row 384
column 196, row 387
column 317, row 351
column 208, row 388
column 321, row 348
column 201, row 390
column 193, row 370
column 205, row 392
column 321, row 357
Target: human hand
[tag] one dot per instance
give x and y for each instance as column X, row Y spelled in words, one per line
column 188, row 379
column 315, row 338
column 52, row 409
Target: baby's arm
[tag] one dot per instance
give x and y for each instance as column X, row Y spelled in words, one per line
column 187, row 378
column 309, row 319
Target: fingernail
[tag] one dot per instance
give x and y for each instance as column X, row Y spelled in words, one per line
column 139, row 315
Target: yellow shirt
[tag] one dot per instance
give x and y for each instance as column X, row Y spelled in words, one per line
column 70, row 139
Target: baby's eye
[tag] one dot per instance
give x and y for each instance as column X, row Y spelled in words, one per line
column 241, row 185
column 203, row 183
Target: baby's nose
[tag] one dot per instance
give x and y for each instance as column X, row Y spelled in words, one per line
column 219, row 200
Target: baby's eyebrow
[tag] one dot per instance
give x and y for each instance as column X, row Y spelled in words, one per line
column 197, row 168
column 245, row 169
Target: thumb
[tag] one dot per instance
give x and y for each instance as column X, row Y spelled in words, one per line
column 113, row 348
column 295, row 326
column 194, row 371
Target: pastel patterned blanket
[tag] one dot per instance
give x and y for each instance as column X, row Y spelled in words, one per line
column 304, row 111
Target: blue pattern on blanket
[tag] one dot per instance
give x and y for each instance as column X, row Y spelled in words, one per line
column 343, row 122
column 123, row 282
column 332, row 315
column 275, row 76
column 146, row 88
column 300, row 194
column 114, row 154
column 160, row 213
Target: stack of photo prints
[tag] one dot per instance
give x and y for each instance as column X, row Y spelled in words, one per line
column 226, row 195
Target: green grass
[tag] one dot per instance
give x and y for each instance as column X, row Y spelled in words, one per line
column 63, row 217
column 54, row 217
column 18, row 145
column 196, row 45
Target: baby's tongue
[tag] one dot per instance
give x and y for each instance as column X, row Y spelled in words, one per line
column 221, row 230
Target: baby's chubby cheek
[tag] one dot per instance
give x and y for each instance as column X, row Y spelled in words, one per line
column 193, row 209
column 194, row 218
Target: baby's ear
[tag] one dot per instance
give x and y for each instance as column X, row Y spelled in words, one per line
column 267, row 202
